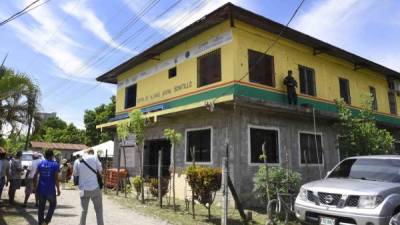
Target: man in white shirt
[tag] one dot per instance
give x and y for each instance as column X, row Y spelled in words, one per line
column 75, row 169
column 29, row 178
column 89, row 186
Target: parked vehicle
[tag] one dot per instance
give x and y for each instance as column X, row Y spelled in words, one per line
column 26, row 160
column 361, row 190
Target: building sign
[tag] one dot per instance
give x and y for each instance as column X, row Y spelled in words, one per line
column 197, row 50
column 165, row 92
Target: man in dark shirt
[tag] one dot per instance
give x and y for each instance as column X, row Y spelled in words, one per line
column 291, row 85
column 46, row 187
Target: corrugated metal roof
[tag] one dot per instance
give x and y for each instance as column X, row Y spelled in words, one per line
column 57, row 146
column 230, row 11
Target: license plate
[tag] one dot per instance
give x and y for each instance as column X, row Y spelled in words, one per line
column 327, row 221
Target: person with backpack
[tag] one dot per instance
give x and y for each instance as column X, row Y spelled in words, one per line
column 15, row 180
column 90, row 183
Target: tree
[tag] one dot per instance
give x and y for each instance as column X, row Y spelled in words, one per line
column 14, row 143
column 174, row 137
column 123, row 133
column 18, row 101
column 69, row 134
column 52, row 122
column 92, row 118
column 137, row 125
column 359, row 133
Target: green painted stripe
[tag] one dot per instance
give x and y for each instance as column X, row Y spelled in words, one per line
column 252, row 92
column 211, row 94
column 242, row 90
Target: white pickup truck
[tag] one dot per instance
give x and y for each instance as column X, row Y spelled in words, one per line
column 361, row 190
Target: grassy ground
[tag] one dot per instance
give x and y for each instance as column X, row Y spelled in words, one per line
column 182, row 216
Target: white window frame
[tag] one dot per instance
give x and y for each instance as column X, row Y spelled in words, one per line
column 211, row 144
column 249, row 144
column 299, row 148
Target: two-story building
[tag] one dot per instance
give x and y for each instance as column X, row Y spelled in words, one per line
column 214, row 82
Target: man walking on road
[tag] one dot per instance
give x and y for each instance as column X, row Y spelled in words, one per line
column 46, row 187
column 87, row 170
column 29, row 178
column 4, row 170
column 75, row 169
column 15, row 176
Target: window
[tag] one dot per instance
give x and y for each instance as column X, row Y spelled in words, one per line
column 257, row 138
column 345, row 90
column 311, row 153
column 392, row 102
column 261, row 68
column 200, row 140
column 209, row 68
column 372, row 91
column 397, row 147
column 391, row 84
column 307, row 81
column 172, row 73
column 130, row 96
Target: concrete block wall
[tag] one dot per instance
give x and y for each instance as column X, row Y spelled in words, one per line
column 232, row 125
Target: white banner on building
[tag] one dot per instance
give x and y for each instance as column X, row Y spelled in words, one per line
column 197, row 50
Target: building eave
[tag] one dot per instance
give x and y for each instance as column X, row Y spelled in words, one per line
column 230, row 11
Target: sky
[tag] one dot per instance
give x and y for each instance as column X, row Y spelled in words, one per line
column 65, row 44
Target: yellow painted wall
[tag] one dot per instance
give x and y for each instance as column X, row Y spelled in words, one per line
column 234, row 59
column 186, row 71
column 288, row 55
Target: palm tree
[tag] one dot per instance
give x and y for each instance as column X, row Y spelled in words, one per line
column 18, row 101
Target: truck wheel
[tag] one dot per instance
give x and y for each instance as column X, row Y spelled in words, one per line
column 395, row 220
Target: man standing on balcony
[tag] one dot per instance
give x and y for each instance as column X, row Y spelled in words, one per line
column 291, row 85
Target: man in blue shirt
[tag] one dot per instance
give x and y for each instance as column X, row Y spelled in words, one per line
column 46, row 187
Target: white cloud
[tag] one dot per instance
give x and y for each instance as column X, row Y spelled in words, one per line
column 91, row 22
column 333, row 21
column 43, row 35
column 185, row 13
column 354, row 25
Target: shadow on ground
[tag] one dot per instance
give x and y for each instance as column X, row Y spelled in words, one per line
column 13, row 215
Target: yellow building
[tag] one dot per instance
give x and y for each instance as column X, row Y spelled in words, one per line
column 221, row 80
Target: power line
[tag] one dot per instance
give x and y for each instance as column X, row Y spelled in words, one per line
column 124, row 29
column 22, row 12
column 267, row 50
column 134, row 35
column 53, row 33
column 175, row 26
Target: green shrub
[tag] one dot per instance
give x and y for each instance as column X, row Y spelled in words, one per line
column 153, row 186
column 137, row 183
column 278, row 182
column 205, row 182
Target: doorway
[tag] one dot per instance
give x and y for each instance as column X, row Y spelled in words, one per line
column 150, row 158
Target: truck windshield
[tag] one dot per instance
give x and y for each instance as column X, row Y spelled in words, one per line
column 26, row 157
column 387, row 170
